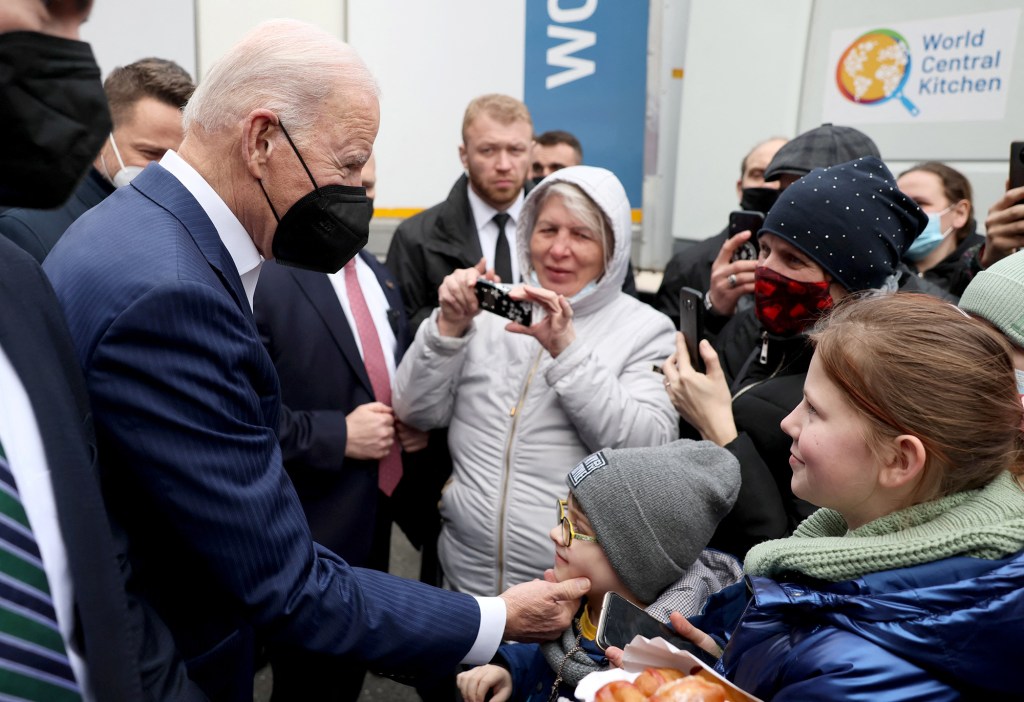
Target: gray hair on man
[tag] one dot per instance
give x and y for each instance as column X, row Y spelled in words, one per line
column 287, row 66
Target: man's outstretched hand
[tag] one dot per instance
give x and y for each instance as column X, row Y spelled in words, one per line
column 541, row 610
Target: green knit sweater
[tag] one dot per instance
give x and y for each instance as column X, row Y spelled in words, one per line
column 985, row 523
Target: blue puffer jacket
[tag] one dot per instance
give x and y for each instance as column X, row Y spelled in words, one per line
column 947, row 630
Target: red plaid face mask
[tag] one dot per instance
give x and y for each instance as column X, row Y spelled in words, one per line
column 786, row 306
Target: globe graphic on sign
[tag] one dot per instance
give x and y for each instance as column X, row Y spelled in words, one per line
column 874, row 69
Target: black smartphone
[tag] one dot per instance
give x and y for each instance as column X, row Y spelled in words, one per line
column 745, row 221
column 621, row 620
column 691, row 323
column 493, row 297
column 1016, row 164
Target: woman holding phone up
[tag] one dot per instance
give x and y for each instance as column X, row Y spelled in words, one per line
column 522, row 402
column 836, row 231
column 906, row 584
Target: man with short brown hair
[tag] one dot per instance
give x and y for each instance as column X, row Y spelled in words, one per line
column 478, row 220
column 145, row 100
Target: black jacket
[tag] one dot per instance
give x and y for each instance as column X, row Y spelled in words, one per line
column 430, row 245
column 766, row 375
column 951, row 273
column 36, row 231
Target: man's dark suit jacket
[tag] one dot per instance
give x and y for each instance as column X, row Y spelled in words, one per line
column 129, row 655
column 323, row 378
column 37, row 231
column 186, row 402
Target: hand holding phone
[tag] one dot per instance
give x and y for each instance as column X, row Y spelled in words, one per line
column 493, row 297
column 746, row 221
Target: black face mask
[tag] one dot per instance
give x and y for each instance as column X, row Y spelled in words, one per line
column 758, row 199
column 54, row 114
column 324, row 229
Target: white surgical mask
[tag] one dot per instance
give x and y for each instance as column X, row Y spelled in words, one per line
column 125, row 174
column 1020, row 380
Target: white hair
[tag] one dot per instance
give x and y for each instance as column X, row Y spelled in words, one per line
column 286, row 66
column 583, row 208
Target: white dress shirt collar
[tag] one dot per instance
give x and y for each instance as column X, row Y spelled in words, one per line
column 484, row 213
column 487, row 228
column 236, row 240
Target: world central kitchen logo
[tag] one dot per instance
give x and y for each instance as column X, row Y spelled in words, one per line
column 876, row 67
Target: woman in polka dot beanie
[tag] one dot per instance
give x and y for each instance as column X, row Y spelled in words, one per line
column 836, row 231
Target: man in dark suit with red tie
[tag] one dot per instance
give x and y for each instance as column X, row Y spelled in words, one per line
column 340, row 442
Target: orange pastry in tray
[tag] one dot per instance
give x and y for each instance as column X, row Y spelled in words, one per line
column 662, row 685
column 692, row 688
column 620, row 691
column 653, row 678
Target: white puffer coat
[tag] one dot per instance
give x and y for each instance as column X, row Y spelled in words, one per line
column 519, row 419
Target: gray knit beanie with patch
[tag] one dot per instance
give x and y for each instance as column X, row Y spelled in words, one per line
column 654, row 509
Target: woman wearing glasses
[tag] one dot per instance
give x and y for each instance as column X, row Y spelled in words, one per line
column 523, row 402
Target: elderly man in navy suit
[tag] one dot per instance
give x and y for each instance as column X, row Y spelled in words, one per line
column 157, row 282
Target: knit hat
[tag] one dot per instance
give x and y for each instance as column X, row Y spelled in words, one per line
column 820, row 147
column 851, row 219
column 654, row 509
column 997, row 295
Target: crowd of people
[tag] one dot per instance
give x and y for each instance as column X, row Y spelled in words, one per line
column 216, row 404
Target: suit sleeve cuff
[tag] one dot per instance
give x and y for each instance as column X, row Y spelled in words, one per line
column 492, row 626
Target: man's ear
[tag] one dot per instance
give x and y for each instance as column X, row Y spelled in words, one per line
column 464, row 156
column 905, row 465
column 258, row 129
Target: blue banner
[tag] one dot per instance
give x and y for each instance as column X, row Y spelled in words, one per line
column 586, row 73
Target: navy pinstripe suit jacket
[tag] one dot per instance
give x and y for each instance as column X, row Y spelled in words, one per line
column 186, row 403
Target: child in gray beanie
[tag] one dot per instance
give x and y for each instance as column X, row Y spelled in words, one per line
column 636, row 522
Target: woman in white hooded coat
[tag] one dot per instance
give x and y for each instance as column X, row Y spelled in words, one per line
column 523, row 404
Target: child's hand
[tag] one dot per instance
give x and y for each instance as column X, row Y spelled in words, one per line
column 476, row 683
column 688, row 631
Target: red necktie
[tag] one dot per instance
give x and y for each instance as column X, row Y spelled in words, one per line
column 389, row 471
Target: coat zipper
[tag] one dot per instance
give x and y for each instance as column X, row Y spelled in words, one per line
column 763, row 359
column 515, row 413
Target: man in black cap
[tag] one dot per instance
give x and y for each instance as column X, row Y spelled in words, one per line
column 820, row 147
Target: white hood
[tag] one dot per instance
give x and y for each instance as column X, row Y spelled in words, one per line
column 604, row 188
